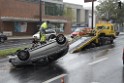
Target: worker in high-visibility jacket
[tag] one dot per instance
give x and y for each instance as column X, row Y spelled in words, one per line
column 43, row 28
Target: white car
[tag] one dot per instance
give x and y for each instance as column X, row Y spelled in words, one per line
column 50, row 34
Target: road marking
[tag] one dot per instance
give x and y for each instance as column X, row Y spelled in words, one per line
column 55, row 78
column 110, row 49
column 95, row 82
column 23, row 43
column 98, row 61
column 3, row 60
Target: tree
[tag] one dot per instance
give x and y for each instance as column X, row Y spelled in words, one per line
column 68, row 12
column 109, row 10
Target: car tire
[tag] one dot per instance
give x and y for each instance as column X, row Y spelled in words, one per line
column 18, row 51
column 23, row 55
column 52, row 36
column 60, row 39
column 72, row 36
column 2, row 40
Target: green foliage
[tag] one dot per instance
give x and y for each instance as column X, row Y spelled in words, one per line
column 68, row 12
column 11, row 51
column 53, row 9
column 109, row 10
column 8, row 51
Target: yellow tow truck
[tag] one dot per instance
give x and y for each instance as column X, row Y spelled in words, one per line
column 105, row 30
column 103, row 34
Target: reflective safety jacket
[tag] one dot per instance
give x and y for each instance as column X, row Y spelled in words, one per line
column 44, row 25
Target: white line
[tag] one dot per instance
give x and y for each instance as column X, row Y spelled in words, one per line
column 98, row 61
column 3, row 60
column 23, row 43
column 55, row 78
column 95, row 82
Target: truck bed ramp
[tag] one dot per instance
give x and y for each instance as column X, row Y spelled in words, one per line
column 81, row 43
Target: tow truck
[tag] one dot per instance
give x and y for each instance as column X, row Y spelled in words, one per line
column 48, row 52
column 103, row 34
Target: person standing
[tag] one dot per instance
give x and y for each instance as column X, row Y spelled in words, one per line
column 42, row 30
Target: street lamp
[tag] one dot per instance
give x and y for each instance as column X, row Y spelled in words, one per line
column 92, row 13
column 92, row 10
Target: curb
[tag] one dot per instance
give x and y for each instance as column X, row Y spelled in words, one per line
column 19, row 37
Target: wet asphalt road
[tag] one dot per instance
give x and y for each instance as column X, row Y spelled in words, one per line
column 15, row 43
column 100, row 65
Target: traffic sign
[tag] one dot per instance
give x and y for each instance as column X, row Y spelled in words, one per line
column 89, row 0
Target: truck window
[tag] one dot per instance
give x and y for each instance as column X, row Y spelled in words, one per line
column 107, row 27
column 112, row 28
column 102, row 27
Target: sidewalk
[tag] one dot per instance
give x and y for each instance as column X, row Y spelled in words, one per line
column 121, row 33
column 19, row 37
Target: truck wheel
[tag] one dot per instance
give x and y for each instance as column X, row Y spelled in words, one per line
column 111, row 40
column 60, row 39
column 23, row 55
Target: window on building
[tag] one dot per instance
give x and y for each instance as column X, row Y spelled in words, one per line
column 53, row 9
column 30, row 1
column 58, row 27
column 20, row 26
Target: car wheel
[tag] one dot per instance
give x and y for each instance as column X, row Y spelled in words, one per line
column 2, row 40
column 72, row 36
column 52, row 36
column 17, row 51
column 60, row 39
column 23, row 55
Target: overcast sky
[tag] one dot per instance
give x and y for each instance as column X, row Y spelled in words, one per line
column 80, row 2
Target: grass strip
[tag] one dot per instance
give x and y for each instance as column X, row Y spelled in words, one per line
column 10, row 51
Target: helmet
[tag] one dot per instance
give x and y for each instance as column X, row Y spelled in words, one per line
column 48, row 22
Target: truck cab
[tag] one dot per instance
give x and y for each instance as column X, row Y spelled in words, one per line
column 105, row 30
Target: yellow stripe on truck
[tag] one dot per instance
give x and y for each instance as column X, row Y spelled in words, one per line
column 85, row 44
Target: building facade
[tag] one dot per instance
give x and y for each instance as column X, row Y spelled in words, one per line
column 76, row 13
column 88, row 18
column 21, row 17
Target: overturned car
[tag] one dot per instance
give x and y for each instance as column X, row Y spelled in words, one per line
column 50, row 51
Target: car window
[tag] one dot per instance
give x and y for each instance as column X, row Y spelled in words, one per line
column 50, row 31
column 1, row 33
column 78, row 30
